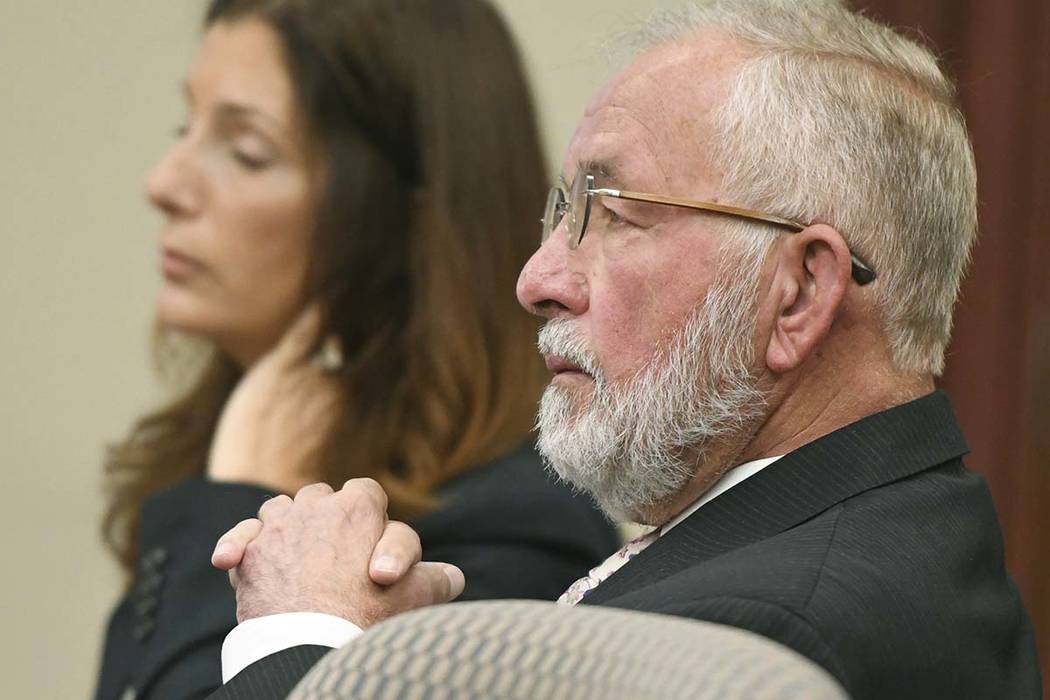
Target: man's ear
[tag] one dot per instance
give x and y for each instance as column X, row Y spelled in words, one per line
column 810, row 280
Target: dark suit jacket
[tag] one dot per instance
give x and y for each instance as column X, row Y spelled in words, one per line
column 872, row 551
column 513, row 531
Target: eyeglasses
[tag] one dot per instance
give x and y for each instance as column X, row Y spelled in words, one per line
column 576, row 207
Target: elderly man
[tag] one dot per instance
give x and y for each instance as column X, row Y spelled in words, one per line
column 748, row 275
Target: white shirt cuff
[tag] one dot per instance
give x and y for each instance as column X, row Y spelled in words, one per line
column 259, row 637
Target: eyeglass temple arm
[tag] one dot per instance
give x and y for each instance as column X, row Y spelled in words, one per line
column 859, row 270
column 703, row 206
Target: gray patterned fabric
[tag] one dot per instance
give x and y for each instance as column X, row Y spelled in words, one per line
column 531, row 650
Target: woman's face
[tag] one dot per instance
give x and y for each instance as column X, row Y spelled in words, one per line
column 236, row 193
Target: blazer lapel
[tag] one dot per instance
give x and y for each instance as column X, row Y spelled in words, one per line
column 874, row 451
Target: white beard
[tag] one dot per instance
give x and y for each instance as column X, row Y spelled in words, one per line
column 635, row 445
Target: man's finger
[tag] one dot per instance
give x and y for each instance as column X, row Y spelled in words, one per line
column 364, row 494
column 230, row 548
column 397, row 551
column 431, row 583
column 274, row 506
column 313, row 492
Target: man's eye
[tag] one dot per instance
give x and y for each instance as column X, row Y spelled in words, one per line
column 613, row 218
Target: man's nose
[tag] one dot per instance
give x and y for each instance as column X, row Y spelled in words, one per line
column 551, row 284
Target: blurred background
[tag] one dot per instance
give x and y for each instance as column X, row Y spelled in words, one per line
column 91, row 97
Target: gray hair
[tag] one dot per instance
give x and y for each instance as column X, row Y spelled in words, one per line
column 836, row 118
column 632, row 444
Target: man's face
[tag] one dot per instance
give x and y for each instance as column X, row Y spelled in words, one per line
column 641, row 268
column 640, row 276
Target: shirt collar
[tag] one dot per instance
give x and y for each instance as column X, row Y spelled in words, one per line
column 731, row 478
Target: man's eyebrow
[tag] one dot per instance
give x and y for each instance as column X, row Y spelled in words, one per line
column 604, row 171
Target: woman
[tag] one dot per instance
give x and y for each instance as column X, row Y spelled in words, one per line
column 375, row 161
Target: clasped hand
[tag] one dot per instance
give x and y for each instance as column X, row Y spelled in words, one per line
column 332, row 552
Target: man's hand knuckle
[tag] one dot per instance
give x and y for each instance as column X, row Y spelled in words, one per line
column 374, row 492
column 364, row 495
column 357, row 484
column 312, row 489
column 352, row 497
column 274, row 503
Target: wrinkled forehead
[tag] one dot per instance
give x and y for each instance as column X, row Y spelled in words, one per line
column 652, row 126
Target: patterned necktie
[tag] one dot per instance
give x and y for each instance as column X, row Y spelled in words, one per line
column 607, row 568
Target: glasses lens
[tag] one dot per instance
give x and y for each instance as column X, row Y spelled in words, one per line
column 553, row 212
column 579, row 207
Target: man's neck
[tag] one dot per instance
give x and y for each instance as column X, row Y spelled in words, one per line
column 816, row 407
column 800, row 411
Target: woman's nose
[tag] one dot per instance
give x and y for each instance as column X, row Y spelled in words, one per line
column 172, row 185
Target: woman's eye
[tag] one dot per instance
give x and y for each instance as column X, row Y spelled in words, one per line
column 251, row 152
column 251, row 160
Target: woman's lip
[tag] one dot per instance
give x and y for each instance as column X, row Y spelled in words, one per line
column 176, row 266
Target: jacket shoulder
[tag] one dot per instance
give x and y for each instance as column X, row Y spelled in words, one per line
column 900, row 591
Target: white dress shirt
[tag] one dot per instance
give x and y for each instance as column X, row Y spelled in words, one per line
column 260, row 637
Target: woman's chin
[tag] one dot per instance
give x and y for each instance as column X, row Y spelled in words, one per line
column 179, row 311
column 193, row 328
column 176, row 311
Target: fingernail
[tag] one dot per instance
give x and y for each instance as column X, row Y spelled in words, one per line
column 387, row 564
column 456, row 581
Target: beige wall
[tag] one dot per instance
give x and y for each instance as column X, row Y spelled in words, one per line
column 90, row 96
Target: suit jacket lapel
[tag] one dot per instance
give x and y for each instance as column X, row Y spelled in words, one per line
column 876, row 450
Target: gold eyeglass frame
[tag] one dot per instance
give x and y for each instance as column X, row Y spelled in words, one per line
column 583, row 192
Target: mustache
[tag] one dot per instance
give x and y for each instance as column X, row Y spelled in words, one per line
column 560, row 337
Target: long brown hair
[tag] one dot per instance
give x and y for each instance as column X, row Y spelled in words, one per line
column 422, row 124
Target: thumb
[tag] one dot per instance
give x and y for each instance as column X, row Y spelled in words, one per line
column 430, row 583
column 230, row 548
